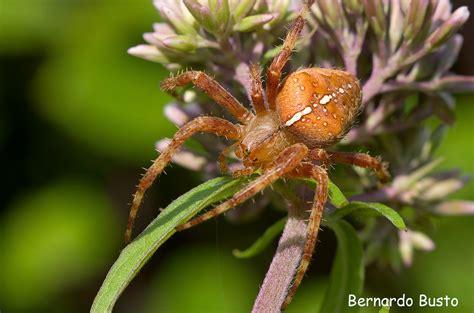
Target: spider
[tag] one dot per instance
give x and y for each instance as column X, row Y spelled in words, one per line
column 286, row 135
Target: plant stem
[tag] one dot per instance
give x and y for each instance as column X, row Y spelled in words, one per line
column 284, row 264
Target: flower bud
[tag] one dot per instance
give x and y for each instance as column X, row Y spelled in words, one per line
column 180, row 42
column 253, row 22
column 184, row 158
column 421, row 241
column 240, row 8
column 455, row 207
column 279, row 8
column 201, row 13
column 176, row 115
column 442, row 189
column 405, row 247
column 214, row 16
column 449, row 54
column 409, row 240
column 220, row 9
column 332, row 13
column 395, row 31
column 353, row 7
column 148, row 52
column 175, row 13
column 448, row 28
column 415, row 19
column 376, row 17
column 456, row 83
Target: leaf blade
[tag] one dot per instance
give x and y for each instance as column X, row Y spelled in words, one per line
column 336, row 197
column 136, row 254
column 379, row 208
column 347, row 273
column 262, row 242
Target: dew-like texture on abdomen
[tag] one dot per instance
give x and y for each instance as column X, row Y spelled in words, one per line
column 318, row 105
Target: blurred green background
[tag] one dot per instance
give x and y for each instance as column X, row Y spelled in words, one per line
column 79, row 119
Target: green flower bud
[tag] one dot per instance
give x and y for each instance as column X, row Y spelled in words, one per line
column 177, row 15
column 220, row 9
column 395, row 31
column 180, row 42
column 279, row 8
column 240, row 9
column 214, row 16
column 376, row 17
column 448, row 28
column 253, row 22
column 353, row 7
column 201, row 13
column 331, row 13
column 414, row 19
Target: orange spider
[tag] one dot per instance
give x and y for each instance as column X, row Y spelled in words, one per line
column 312, row 109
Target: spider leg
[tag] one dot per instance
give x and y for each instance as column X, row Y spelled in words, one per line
column 243, row 172
column 206, row 124
column 275, row 68
column 286, row 161
column 257, row 90
column 212, row 88
column 358, row 159
column 222, row 159
column 224, row 168
column 319, row 174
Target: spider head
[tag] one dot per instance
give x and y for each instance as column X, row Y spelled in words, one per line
column 262, row 140
column 318, row 106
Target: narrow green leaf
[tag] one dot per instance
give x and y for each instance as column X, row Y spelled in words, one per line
column 262, row 242
column 336, row 197
column 347, row 274
column 379, row 208
column 137, row 253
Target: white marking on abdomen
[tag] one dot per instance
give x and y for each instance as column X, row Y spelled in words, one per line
column 298, row 115
column 325, row 99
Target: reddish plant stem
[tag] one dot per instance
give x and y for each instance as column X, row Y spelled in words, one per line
column 285, row 262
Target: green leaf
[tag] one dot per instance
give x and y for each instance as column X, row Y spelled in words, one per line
column 137, row 253
column 379, row 208
column 262, row 242
column 385, row 309
column 336, row 197
column 347, row 274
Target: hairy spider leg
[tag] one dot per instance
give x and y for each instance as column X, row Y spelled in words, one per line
column 286, row 161
column 243, row 172
column 256, row 95
column 353, row 158
column 275, row 68
column 318, row 173
column 222, row 159
column 206, row 124
column 212, row 88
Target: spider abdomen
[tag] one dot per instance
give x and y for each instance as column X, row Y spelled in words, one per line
column 318, row 105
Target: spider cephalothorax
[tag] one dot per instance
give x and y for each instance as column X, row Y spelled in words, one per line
column 284, row 136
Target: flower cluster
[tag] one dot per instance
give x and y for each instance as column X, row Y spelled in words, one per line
column 402, row 52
